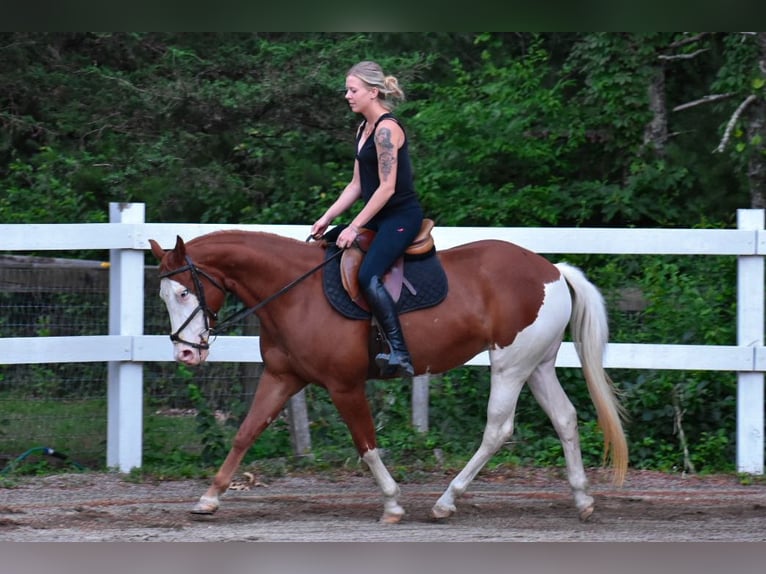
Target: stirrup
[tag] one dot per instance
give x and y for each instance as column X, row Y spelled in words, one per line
column 389, row 369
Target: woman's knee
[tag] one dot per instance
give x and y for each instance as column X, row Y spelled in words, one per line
column 366, row 276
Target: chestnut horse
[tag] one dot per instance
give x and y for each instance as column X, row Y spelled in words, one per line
column 502, row 298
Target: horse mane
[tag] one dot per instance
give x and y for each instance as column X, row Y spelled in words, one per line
column 244, row 237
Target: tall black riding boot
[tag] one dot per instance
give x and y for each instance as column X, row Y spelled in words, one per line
column 398, row 362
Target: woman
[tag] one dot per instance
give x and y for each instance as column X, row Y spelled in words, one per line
column 383, row 181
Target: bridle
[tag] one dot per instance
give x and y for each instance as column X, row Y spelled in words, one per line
column 209, row 313
column 201, row 307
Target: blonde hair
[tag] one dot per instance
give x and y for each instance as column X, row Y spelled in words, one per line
column 372, row 74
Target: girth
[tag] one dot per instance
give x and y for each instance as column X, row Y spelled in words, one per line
column 394, row 278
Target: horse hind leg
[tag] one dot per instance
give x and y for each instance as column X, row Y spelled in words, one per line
column 504, row 393
column 392, row 510
column 548, row 392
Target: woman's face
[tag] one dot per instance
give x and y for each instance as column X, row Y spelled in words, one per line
column 358, row 94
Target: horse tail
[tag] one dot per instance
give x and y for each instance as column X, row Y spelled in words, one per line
column 590, row 333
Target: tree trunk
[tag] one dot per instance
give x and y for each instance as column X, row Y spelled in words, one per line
column 656, row 131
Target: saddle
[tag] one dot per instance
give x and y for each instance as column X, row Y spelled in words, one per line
column 394, row 279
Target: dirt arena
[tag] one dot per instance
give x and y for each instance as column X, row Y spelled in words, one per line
column 515, row 505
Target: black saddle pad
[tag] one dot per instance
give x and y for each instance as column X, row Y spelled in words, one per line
column 425, row 274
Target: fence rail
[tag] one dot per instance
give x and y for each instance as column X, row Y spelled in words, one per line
column 126, row 347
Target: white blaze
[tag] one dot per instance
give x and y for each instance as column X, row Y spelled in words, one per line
column 181, row 303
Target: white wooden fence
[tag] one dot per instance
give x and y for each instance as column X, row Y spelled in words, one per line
column 126, row 347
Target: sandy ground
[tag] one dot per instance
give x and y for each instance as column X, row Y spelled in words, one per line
column 513, row 505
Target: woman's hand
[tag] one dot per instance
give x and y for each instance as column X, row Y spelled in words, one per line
column 347, row 237
column 319, row 227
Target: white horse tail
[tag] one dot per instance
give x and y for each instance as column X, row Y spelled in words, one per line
column 590, row 333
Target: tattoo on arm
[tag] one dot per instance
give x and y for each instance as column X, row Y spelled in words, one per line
column 386, row 152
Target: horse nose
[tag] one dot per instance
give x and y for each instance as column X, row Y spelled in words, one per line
column 187, row 356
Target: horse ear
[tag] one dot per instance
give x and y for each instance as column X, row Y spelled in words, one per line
column 180, row 247
column 158, row 251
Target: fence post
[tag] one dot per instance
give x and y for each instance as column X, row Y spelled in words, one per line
column 126, row 317
column 300, row 436
column 750, row 327
column 420, row 387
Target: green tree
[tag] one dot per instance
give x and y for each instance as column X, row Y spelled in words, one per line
column 501, row 134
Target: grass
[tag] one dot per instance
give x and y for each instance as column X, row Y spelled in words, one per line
column 77, row 429
column 173, row 445
column 188, row 446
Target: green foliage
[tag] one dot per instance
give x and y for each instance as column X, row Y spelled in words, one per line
column 714, row 451
column 50, row 178
column 687, row 301
column 501, row 134
column 171, row 448
column 616, row 69
column 506, row 129
column 740, row 76
column 214, row 431
column 214, row 447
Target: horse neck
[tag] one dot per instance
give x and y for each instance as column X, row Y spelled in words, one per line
column 256, row 266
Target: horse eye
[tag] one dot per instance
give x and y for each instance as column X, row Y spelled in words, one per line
column 184, row 293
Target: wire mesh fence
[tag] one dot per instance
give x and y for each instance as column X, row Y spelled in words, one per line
column 63, row 406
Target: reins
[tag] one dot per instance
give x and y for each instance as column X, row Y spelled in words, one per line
column 235, row 317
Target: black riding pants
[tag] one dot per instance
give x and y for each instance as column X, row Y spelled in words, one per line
column 394, row 233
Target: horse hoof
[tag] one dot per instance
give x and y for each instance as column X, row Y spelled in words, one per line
column 391, row 518
column 205, row 506
column 392, row 513
column 440, row 512
column 585, row 514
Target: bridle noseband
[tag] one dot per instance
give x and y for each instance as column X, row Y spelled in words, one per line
column 202, row 307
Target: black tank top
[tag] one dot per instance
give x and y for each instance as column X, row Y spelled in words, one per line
column 404, row 192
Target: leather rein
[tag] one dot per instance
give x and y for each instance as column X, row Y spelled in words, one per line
column 225, row 324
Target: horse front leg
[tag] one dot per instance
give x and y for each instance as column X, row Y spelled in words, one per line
column 354, row 409
column 269, row 399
